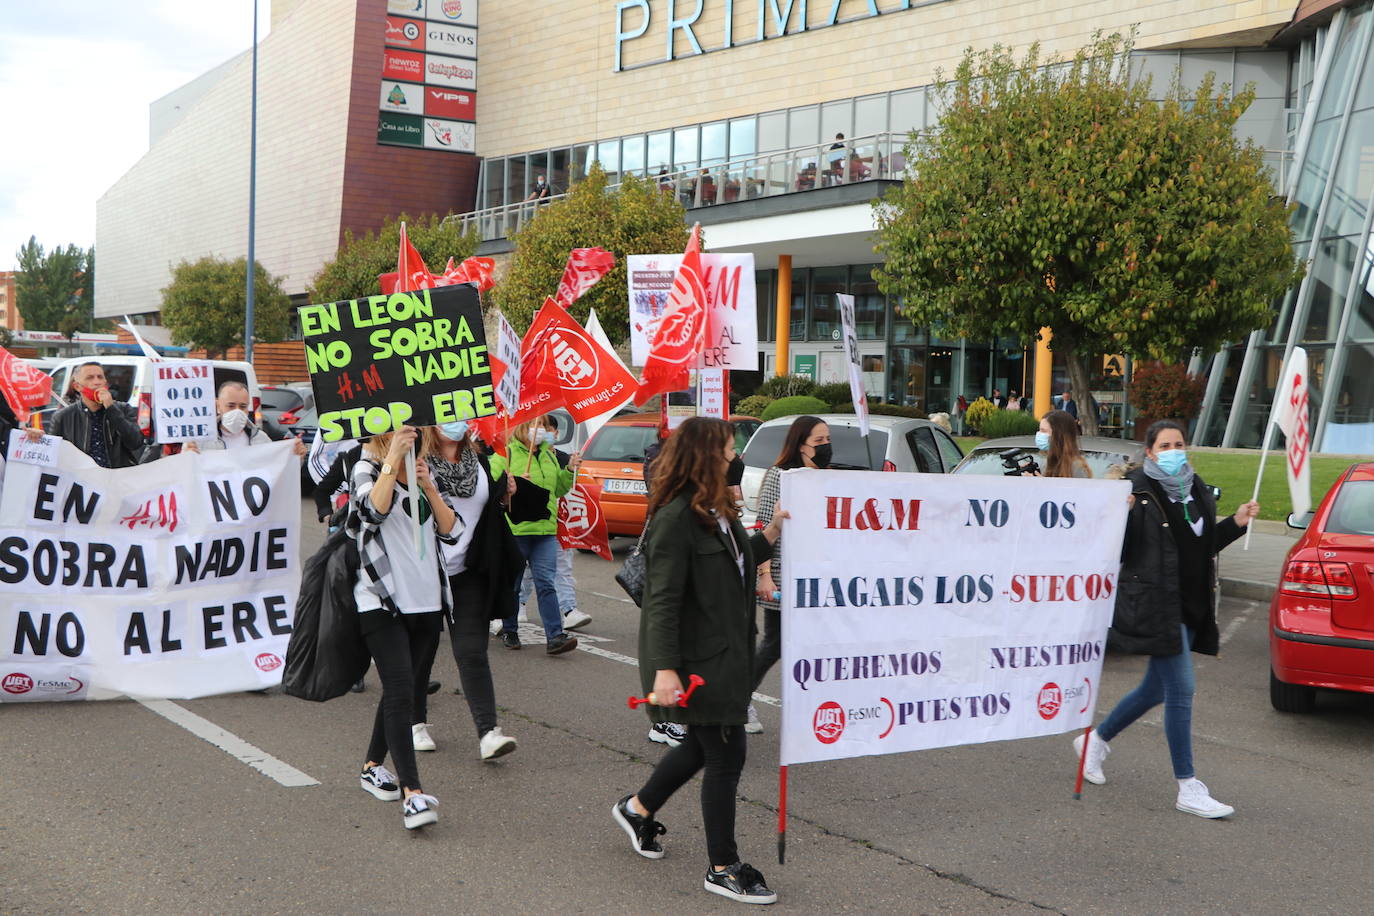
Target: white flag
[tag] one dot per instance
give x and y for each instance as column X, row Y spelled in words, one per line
column 143, row 345
column 851, row 349
column 1290, row 414
column 508, row 352
column 597, row 334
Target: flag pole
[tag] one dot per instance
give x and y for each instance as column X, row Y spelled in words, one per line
column 415, row 495
column 782, row 814
column 1082, row 763
column 1264, row 453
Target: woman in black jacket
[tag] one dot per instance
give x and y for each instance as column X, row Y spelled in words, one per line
column 1166, row 604
column 698, row 618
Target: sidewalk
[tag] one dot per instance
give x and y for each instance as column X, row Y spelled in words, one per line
column 1254, row 573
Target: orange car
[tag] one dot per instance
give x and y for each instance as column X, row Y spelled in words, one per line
column 614, row 458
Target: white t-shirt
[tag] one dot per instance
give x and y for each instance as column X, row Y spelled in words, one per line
column 469, row 513
column 416, row 578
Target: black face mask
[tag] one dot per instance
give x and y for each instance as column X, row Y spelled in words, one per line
column 734, row 474
column 822, row 457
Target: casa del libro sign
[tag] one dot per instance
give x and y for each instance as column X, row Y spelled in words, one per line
column 737, row 22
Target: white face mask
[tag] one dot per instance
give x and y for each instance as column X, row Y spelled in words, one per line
column 234, row 421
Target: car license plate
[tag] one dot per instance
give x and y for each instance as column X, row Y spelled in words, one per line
column 625, row 486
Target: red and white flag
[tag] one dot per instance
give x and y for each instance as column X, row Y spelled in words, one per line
column 581, row 524
column 585, row 267
column 478, row 271
column 681, row 333
column 23, row 386
column 564, row 357
column 411, row 272
column 1290, row 415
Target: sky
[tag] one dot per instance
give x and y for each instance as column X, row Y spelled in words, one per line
column 76, row 79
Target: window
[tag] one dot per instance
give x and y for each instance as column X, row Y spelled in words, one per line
column 923, row 449
column 539, row 165
column 581, row 158
column 763, row 302
column 908, row 111
column 837, row 118
column 684, row 148
column 515, row 179
column 621, row 443
column 608, row 154
column 741, row 138
column 803, row 126
column 870, row 305
column 494, row 174
column 713, row 143
column 870, row 115
column 949, row 450
column 558, row 170
column 660, row 151
column 772, row 131
column 632, row 155
column 1353, row 511
column 825, row 310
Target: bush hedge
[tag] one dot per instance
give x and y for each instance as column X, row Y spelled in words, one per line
column 794, row 406
column 753, row 406
column 786, row 386
column 1009, row 423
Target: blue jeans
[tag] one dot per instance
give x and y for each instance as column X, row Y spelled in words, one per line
column 541, row 554
column 1168, row 680
column 562, row 583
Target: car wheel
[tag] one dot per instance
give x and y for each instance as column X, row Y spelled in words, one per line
column 1291, row 697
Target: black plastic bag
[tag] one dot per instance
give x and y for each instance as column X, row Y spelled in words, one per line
column 530, row 502
column 326, row 655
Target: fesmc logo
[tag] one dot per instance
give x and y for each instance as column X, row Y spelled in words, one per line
column 267, row 662
column 828, row 722
column 1052, row 697
column 17, row 683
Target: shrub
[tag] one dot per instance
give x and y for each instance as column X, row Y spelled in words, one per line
column 794, row 406
column 837, row 394
column 1009, row 423
column 1162, row 392
column 894, row 410
column 979, row 411
column 753, row 406
column 787, row 386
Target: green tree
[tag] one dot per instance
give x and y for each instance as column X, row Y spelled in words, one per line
column 206, row 302
column 353, row 272
column 1058, row 194
column 635, row 218
column 56, row 290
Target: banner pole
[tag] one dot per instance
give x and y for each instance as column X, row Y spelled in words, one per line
column 1264, row 453
column 415, row 502
column 782, row 814
column 1082, row 763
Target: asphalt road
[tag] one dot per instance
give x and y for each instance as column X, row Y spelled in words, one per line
column 108, row 808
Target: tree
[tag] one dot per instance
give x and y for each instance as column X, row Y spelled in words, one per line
column 1058, row 194
column 56, row 291
column 635, row 218
column 353, row 272
column 206, row 302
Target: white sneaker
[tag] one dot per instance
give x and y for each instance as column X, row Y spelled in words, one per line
column 1194, row 798
column 420, row 737
column 495, row 627
column 494, row 744
column 753, row 726
column 381, row 782
column 418, row 810
column 575, row 618
column 669, row 733
column 1097, row 753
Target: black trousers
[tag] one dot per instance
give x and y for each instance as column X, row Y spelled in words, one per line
column 720, row 749
column 397, row 646
column 469, row 637
column 770, row 644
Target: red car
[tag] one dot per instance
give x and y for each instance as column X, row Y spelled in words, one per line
column 1321, row 631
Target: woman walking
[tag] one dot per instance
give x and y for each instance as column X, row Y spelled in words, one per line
column 1166, row 607
column 1058, row 437
column 698, row 618
column 401, row 593
column 806, row 445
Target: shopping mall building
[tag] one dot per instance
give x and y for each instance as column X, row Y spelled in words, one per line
column 368, row 108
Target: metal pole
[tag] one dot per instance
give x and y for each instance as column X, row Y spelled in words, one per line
column 252, row 196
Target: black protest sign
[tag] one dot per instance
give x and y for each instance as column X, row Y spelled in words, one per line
column 417, row 358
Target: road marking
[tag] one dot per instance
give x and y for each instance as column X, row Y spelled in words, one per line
column 230, row 743
column 1238, row 622
column 634, row 663
column 610, row 597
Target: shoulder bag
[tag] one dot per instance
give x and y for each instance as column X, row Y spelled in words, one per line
column 632, row 571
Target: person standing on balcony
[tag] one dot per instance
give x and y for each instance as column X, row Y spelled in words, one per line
column 541, row 190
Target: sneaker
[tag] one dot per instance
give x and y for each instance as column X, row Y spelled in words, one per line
column 753, row 726
column 432, row 688
column 642, row 829
column 358, row 687
column 495, row 627
column 381, row 782
column 575, row 618
column 742, row 882
column 1097, row 752
column 1194, row 798
column 418, row 810
column 669, row 733
column 510, row 639
column 494, row 744
column 561, row 643
column 420, row 737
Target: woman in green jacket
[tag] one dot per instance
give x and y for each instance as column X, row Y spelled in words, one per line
column 533, row 518
column 698, row 618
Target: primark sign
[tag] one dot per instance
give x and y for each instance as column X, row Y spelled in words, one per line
column 639, row 23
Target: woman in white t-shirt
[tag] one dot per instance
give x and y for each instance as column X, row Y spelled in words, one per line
column 401, row 593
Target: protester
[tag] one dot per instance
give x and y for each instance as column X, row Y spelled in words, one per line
column 334, row 481
column 534, row 522
column 401, row 593
column 234, row 429
column 698, row 618
column 806, row 445
column 102, row 427
column 1166, row 606
column 564, row 583
column 483, row 567
column 1058, row 436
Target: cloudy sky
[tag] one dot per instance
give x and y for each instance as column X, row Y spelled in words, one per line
column 76, row 78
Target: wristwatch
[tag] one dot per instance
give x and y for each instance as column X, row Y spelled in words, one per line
column 387, row 468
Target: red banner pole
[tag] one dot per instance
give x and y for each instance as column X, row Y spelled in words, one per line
column 782, row 815
column 1082, row 762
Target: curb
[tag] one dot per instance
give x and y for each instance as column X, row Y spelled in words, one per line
column 1247, row 588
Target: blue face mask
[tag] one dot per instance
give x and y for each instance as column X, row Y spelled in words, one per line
column 455, row 430
column 542, row 436
column 1172, row 461
column 1042, row 441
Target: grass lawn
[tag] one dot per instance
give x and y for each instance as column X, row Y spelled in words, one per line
column 968, row 443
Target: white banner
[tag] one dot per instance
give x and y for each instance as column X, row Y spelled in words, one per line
column 183, row 400
column 924, row 611
column 508, row 352
column 712, row 401
column 175, row 579
column 1291, row 415
column 730, row 296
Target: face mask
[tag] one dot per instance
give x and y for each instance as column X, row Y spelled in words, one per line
column 541, row 436
column 1042, row 441
column 1172, row 461
column 455, row 431
column 734, row 474
column 822, row 457
column 234, row 421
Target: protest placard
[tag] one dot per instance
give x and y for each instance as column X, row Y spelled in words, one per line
column 508, row 353
column 183, row 400
column 927, row 610
column 41, row 451
column 730, row 302
column 851, row 352
column 417, row 358
column 176, row 579
column 713, row 401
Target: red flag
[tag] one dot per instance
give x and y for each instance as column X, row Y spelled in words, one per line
column 681, row 333
column 585, row 267
column 590, row 380
column 472, row 270
column 581, row 524
column 24, row 387
column 411, row 272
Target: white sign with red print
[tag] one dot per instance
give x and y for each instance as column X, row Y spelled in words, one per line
column 926, row 613
column 176, row 579
column 732, row 323
column 40, row 451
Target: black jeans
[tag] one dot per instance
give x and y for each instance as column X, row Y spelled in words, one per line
column 770, row 645
column 397, row 646
column 721, row 750
column 469, row 637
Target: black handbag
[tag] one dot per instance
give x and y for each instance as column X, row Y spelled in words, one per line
column 633, row 570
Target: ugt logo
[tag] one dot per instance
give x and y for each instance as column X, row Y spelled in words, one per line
column 1050, row 701
column 574, row 358
column 828, row 722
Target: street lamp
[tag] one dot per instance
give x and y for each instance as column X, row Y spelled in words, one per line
column 252, row 195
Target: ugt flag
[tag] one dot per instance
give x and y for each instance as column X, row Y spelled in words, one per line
column 681, row 333
column 1290, row 414
column 22, row 386
column 565, row 359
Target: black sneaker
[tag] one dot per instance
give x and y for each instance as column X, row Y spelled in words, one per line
column 510, row 639
column 561, row 643
column 433, row 688
column 742, row 882
column 669, row 733
column 380, row 782
column 642, row 830
column 358, row 687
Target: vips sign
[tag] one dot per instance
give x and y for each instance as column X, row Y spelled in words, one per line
column 417, row 358
column 926, row 611
column 176, row 579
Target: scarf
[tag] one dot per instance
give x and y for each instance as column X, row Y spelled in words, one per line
column 1178, row 487
column 459, row 479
